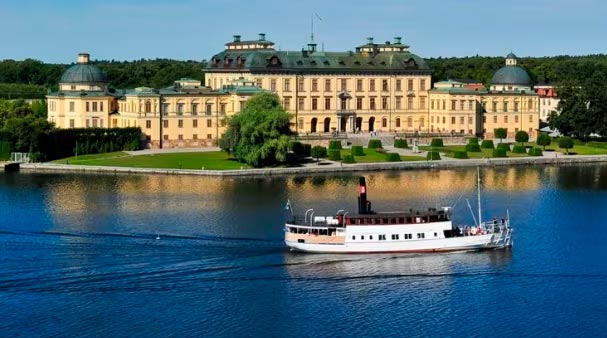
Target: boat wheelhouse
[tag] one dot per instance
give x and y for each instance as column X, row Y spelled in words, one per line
column 367, row 231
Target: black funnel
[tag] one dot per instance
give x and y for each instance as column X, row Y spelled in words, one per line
column 363, row 205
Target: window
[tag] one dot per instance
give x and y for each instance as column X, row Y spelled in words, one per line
column 359, row 103
column 372, row 103
column 180, row 137
column 209, row 108
column 314, row 103
column 461, row 104
column 286, row 103
column 505, row 106
column 101, row 107
column 327, row 103
column 300, row 103
column 382, row 237
column 494, row 106
column 453, row 103
column 194, row 123
column 395, row 237
column 314, row 85
column 431, row 104
column 179, row 108
column 222, row 108
column 384, row 103
column 530, row 104
column 179, row 123
column 505, row 118
column 353, row 238
column 71, row 107
column 398, row 102
column 273, row 85
column 461, row 120
column 258, row 83
column 421, row 122
column 87, row 109
column 72, row 123
column 409, row 122
column 195, row 137
column 209, row 136
column 327, row 85
column 515, row 118
column 422, row 84
column 495, row 119
column 398, row 86
column 194, row 108
column 409, row 103
column 422, row 103
column 421, row 235
column 444, row 120
column 165, row 137
column 397, row 122
column 470, row 120
column 384, row 85
column 301, row 123
column 371, row 85
column 165, row 123
column 384, row 122
column 222, row 122
column 344, row 84
column 165, row 108
column 359, row 85
column 530, row 118
column 148, row 124
column 452, row 119
column 209, row 123
column 94, row 106
column 515, row 106
column 300, row 84
column 286, row 85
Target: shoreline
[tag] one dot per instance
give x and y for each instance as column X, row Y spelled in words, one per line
column 332, row 167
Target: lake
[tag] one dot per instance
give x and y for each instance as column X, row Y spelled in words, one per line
column 92, row 255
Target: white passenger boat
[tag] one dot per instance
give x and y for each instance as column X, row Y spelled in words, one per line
column 413, row 231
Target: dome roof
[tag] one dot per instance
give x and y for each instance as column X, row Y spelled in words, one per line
column 511, row 75
column 83, row 73
column 510, row 56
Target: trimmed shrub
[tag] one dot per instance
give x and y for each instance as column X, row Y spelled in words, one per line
column 566, row 143
column 400, row 143
column 487, row 144
column 318, row 152
column 334, row 155
column 535, row 152
column 348, row 159
column 335, row 144
column 307, row 149
column 357, row 151
column 499, row 152
column 392, row 157
column 473, row 140
column 437, row 142
column 433, row 156
column 296, row 147
column 461, row 154
column 517, row 149
column 473, row 148
column 374, row 144
column 505, row 146
column 543, row 139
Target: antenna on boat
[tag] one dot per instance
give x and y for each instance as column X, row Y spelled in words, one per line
column 478, row 192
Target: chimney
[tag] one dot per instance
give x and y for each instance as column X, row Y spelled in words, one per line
column 262, row 36
column 364, row 206
column 370, row 41
column 397, row 40
column 236, row 38
column 84, row 58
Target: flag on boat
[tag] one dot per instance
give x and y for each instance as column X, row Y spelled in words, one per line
column 288, row 205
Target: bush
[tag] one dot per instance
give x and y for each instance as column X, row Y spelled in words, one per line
column 517, row 149
column 437, row 142
column 499, row 152
column 535, row 152
column 392, row 157
column 307, row 149
column 400, row 143
column 505, row 146
column 473, row 148
column 296, row 147
column 348, row 159
column 566, row 143
column 473, row 140
column 433, row 156
column 357, row 151
column 521, row 136
column 318, row 152
column 500, row 133
column 374, row 144
column 335, row 144
column 543, row 140
column 487, row 144
column 461, row 154
column 334, row 155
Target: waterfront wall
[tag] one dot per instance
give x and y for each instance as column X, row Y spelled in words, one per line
column 329, row 167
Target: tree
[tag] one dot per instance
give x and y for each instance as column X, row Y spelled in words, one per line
column 566, row 143
column 259, row 134
column 500, row 133
column 522, row 137
column 543, row 139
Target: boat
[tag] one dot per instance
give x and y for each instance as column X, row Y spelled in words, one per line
column 413, row 231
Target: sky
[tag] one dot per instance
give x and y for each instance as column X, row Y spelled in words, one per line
column 56, row 31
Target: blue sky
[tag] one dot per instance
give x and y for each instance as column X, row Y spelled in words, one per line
column 55, row 31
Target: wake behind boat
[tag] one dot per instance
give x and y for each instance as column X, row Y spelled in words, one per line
column 412, row 231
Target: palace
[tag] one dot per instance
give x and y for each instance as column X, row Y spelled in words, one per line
column 377, row 87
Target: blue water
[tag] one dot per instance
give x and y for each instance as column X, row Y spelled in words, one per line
column 156, row 256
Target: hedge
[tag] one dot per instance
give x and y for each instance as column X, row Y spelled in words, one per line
column 473, row 148
column 300, row 149
column 374, row 144
column 535, row 152
column 348, row 159
column 335, row 144
column 499, row 152
column 357, row 151
column 473, row 140
column 307, row 149
column 400, row 143
column 433, row 156
column 334, row 154
column 518, row 149
column 460, row 154
column 318, row 152
column 437, row 142
column 505, row 146
column 392, row 157
column 487, row 144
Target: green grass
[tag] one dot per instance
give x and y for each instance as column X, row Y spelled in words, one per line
column 213, row 160
column 373, row 156
column 485, row 153
column 577, row 149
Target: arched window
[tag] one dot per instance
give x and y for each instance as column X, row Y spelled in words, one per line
column 148, row 106
column 397, row 122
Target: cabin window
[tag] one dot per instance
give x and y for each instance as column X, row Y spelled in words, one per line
column 393, row 221
column 435, row 234
column 420, row 235
column 395, row 237
column 377, row 221
column 409, row 220
column 362, row 237
column 353, row 238
column 382, row 237
column 370, row 237
column 401, row 220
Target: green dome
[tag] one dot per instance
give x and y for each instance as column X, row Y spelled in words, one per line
column 511, row 75
column 83, row 73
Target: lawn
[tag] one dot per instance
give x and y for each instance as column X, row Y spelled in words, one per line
column 578, row 149
column 373, row 156
column 485, row 153
column 214, row 160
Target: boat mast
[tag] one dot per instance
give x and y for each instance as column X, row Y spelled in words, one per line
column 478, row 193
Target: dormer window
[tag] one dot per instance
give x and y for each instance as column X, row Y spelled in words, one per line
column 326, row 63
